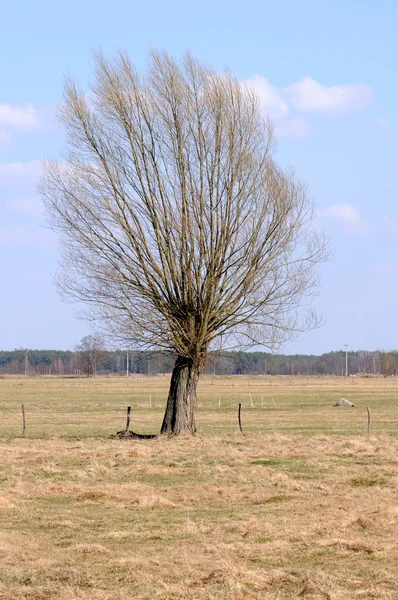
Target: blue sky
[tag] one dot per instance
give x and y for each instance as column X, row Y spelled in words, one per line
column 326, row 72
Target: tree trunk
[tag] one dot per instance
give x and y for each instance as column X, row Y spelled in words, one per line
column 180, row 410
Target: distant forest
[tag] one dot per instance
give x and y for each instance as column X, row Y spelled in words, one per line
column 101, row 362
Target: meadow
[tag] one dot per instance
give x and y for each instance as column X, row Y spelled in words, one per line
column 303, row 505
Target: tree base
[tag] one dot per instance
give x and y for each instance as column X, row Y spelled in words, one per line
column 179, row 416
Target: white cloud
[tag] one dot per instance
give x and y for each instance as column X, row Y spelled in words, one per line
column 23, row 118
column 23, row 235
column 28, row 204
column 383, row 124
column 286, row 105
column 18, row 182
column 4, row 137
column 19, row 174
column 347, row 212
column 390, row 224
column 292, row 128
column 270, row 97
column 348, row 215
column 307, row 95
column 388, row 269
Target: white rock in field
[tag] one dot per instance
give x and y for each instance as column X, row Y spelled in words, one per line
column 344, row 402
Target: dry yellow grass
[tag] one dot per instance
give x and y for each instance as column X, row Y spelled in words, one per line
column 97, row 407
column 272, row 515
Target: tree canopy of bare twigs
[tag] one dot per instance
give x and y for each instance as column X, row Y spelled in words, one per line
column 178, row 228
column 90, row 353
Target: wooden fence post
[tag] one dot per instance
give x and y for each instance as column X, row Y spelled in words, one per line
column 239, row 419
column 23, row 421
column 369, row 422
column 128, row 418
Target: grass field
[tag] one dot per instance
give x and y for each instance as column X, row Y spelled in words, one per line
column 302, row 506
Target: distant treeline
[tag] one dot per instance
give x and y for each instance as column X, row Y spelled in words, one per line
column 68, row 363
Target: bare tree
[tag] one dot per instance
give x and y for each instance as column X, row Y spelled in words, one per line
column 178, row 229
column 90, row 352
